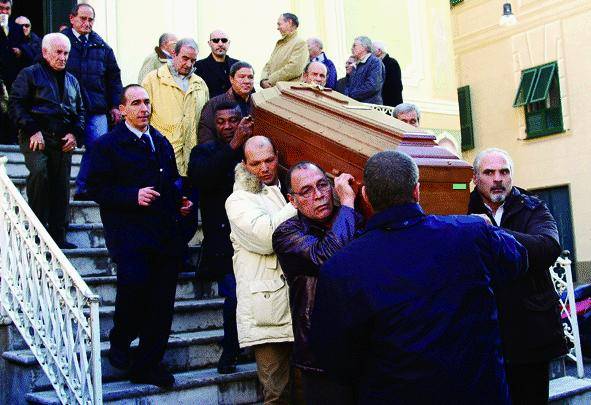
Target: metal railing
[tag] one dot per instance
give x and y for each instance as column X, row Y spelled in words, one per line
column 47, row 300
column 386, row 109
column 562, row 278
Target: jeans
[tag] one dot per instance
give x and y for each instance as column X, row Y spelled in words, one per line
column 96, row 126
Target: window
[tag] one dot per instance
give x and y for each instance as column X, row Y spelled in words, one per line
column 539, row 95
column 454, row 2
column 465, row 107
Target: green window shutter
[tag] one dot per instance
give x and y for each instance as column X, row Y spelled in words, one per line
column 543, row 82
column 466, row 126
column 455, row 2
column 525, row 87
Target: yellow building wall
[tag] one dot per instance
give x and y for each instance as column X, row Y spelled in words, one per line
column 490, row 58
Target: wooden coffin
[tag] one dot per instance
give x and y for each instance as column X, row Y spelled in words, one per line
column 323, row 126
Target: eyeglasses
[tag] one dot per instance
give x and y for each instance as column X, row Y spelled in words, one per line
column 323, row 186
column 25, row 25
column 216, row 40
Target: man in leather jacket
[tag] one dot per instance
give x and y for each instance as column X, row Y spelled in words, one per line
column 46, row 105
column 303, row 243
column 531, row 331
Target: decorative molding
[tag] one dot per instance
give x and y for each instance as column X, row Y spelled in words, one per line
column 436, row 106
column 414, row 73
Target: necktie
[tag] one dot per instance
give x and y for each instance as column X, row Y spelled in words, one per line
column 83, row 39
column 147, row 141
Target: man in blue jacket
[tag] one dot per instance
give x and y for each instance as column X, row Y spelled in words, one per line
column 93, row 63
column 367, row 80
column 133, row 177
column 406, row 312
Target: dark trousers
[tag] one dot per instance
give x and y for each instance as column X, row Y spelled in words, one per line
column 146, row 285
column 529, row 384
column 319, row 389
column 48, row 184
column 227, row 289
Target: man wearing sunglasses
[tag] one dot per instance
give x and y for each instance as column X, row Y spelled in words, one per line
column 31, row 48
column 303, row 243
column 215, row 69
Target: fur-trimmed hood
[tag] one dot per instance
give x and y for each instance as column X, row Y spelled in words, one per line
column 244, row 180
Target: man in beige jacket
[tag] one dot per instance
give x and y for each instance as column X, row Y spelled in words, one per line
column 290, row 55
column 162, row 53
column 177, row 96
column 255, row 209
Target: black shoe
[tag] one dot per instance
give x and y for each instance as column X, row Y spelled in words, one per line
column 157, row 375
column 66, row 245
column 227, row 363
column 82, row 196
column 119, row 359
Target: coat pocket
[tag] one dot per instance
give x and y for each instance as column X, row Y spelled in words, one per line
column 270, row 302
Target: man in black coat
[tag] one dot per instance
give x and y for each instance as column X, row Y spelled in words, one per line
column 133, row 177
column 46, row 106
column 529, row 316
column 215, row 69
column 32, row 45
column 211, row 170
column 392, row 89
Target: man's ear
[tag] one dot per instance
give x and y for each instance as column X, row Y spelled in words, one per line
column 122, row 109
column 365, row 197
column 416, row 192
column 292, row 200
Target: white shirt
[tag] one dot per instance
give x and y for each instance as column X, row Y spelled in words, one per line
column 498, row 213
column 139, row 134
column 78, row 35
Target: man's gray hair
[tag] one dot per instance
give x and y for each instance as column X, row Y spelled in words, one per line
column 317, row 42
column 390, row 178
column 379, row 45
column 6, row 1
column 186, row 42
column 365, row 42
column 49, row 39
column 486, row 152
column 405, row 108
column 164, row 38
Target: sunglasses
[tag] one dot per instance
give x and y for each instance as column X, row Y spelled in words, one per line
column 216, row 40
column 25, row 25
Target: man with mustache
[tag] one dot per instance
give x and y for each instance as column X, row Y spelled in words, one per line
column 303, row 243
column 531, row 331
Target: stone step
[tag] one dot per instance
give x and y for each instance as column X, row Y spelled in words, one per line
column 185, row 351
column 189, row 316
column 21, row 184
column 570, row 390
column 84, row 212
column 16, row 167
column 191, row 387
column 13, row 152
column 187, row 288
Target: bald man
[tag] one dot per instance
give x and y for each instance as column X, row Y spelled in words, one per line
column 31, row 48
column 255, row 209
column 215, row 69
column 315, row 73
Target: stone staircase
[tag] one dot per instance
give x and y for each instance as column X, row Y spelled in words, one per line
column 193, row 347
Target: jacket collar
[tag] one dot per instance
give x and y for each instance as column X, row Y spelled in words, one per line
column 161, row 55
column 397, row 217
column 244, row 180
column 165, row 77
column 515, row 200
column 287, row 37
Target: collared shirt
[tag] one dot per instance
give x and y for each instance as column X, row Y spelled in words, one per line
column 365, row 58
column 498, row 215
column 182, row 81
column 78, row 35
column 319, row 58
column 139, row 134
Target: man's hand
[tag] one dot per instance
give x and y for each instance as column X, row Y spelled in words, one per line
column 342, row 186
column 116, row 115
column 146, row 196
column 485, row 217
column 69, row 144
column 17, row 52
column 265, row 84
column 37, row 142
column 243, row 132
column 186, row 206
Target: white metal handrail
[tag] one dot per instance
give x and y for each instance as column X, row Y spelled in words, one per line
column 562, row 278
column 386, row 109
column 50, row 304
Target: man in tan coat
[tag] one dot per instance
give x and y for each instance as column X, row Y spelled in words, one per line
column 255, row 209
column 177, row 96
column 290, row 55
column 162, row 54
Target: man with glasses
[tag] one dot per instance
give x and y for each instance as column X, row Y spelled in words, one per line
column 343, row 82
column 302, row 244
column 215, row 68
column 31, row 48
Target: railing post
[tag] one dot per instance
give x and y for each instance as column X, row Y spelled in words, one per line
column 96, row 354
column 4, row 318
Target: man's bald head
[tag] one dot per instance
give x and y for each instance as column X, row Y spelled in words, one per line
column 219, row 44
column 260, row 159
column 315, row 73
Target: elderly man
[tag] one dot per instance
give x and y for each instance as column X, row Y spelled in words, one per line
column 368, row 77
column 409, row 113
column 255, row 209
column 343, row 82
column 421, row 328
column 290, row 55
column 531, row 330
column 93, row 63
column 32, row 46
column 302, row 244
column 392, row 89
column 211, row 170
column 241, row 77
column 178, row 96
column 315, row 49
column 162, row 54
column 134, row 179
column 215, row 69
column 315, row 73
column 46, row 105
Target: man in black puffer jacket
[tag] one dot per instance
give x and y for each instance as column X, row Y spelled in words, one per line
column 46, row 105
column 529, row 316
column 93, row 63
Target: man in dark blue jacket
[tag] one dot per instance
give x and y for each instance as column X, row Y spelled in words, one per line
column 211, row 170
column 93, row 63
column 367, row 80
column 133, row 177
column 406, row 312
